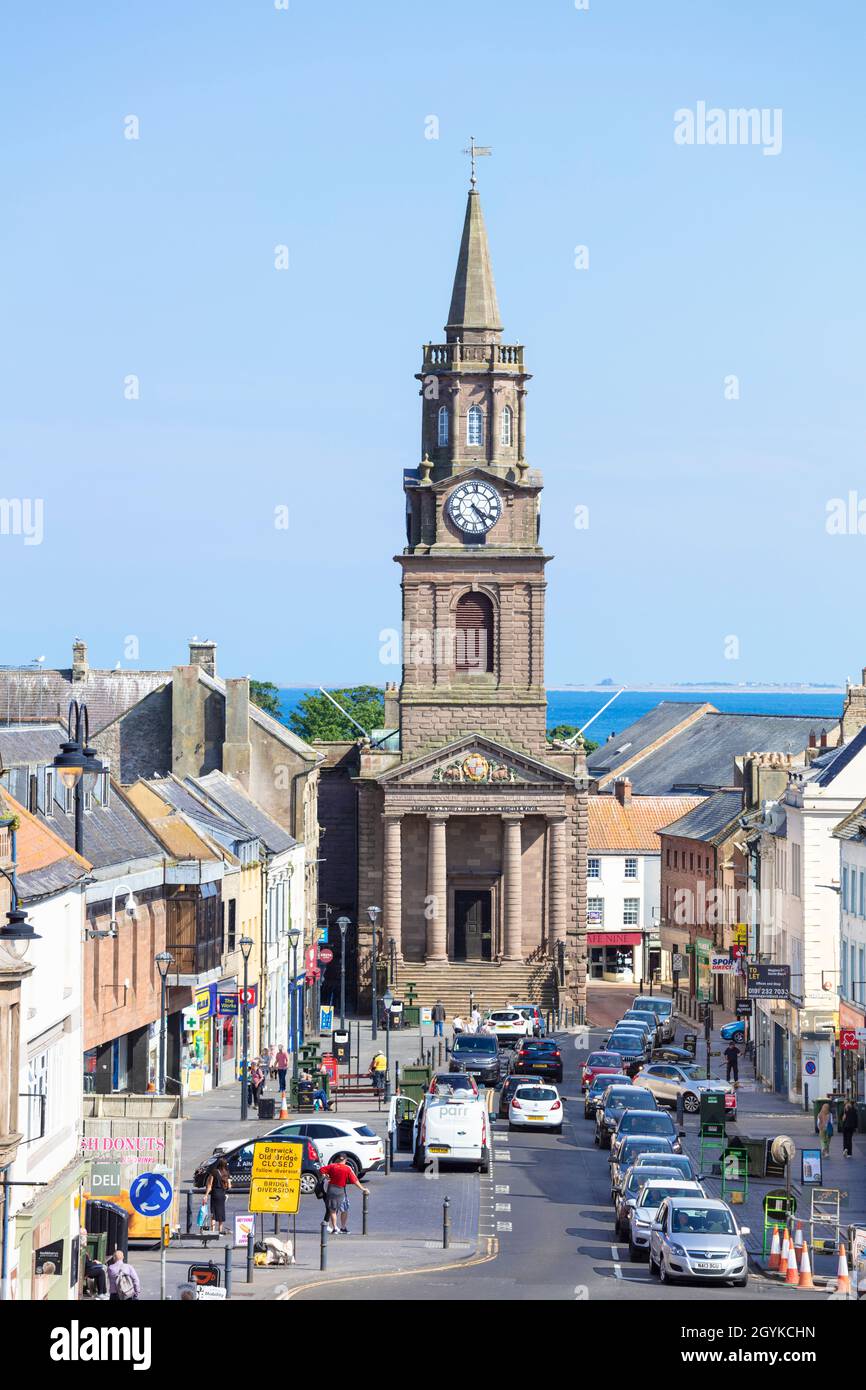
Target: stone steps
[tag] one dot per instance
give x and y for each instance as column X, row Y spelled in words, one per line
column 492, row 985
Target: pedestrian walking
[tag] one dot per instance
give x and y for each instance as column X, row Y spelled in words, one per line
column 438, row 1016
column 825, row 1127
column 850, row 1125
column 123, row 1282
column 475, row 1019
column 340, row 1178
column 218, row 1184
column 257, row 1083
column 281, row 1062
column 732, row 1060
column 458, row 1025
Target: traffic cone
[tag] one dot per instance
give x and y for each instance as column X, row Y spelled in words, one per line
column 843, row 1283
column 792, row 1274
column 805, row 1269
column 798, row 1237
column 284, row 1109
column 786, row 1245
column 775, row 1250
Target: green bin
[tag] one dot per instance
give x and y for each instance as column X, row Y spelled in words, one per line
column 414, row 1081
column 411, row 1015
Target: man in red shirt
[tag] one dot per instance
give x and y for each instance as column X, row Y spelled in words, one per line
column 339, row 1176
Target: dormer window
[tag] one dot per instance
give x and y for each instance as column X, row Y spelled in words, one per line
column 475, row 427
column 506, row 434
column 442, row 426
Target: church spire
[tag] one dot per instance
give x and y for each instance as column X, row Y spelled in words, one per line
column 474, row 312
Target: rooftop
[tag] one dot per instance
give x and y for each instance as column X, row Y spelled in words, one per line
column 633, row 827
column 710, row 820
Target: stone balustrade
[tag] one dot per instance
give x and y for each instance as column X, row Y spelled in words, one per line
column 469, row 356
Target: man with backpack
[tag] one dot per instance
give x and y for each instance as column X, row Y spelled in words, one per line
column 123, row 1282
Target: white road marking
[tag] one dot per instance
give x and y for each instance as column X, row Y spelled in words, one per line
column 500, row 1187
column 503, row 1206
column 502, row 1155
column 503, row 1225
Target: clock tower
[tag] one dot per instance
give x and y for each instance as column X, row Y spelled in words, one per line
column 473, row 570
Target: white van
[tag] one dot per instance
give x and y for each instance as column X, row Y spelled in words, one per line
column 448, row 1130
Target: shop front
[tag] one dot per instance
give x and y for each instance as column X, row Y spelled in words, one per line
column 197, row 1042
column 225, row 1033
column 44, row 1263
column 851, row 1059
column 614, row 956
column 703, row 972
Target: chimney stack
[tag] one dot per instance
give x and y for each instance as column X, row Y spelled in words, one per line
column 237, row 750
column 80, row 668
column 622, row 790
column 813, row 739
column 392, row 706
column 203, row 654
column 823, row 738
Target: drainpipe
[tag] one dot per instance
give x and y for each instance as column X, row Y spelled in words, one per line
column 4, row 1240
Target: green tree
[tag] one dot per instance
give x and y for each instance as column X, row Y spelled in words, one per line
column 267, row 696
column 560, row 731
column 316, row 718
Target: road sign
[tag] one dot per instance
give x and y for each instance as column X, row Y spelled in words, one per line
column 275, row 1194
column 326, row 955
column 150, row 1194
column 277, row 1161
column 678, row 963
column 744, row 1008
column 768, row 981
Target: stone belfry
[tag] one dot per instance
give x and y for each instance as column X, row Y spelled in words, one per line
column 473, row 570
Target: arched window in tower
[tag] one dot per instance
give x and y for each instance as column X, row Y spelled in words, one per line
column 475, row 427
column 474, row 633
column 442, row 428
column 506, row 435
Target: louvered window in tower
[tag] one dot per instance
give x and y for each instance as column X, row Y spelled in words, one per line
column 474, row 635
column 442, row 418
column 475, row 427
column 506, row 434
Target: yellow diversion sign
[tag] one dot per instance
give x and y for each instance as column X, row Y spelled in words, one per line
column 275, row 1184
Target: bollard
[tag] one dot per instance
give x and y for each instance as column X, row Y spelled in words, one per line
column 276, row 1223
column 640, row 986
column 387, row 1153
column 446, row 1224
column 364, row 1197
column 251, row 1241
column 396, row 1077
column 440, row 1053
column 228, row 1270
column 188, row 1212
column 323, row 1246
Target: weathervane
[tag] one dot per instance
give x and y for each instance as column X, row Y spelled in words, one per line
column 474, row 151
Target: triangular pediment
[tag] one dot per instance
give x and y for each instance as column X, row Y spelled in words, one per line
column 478, row 470
column 475, row 761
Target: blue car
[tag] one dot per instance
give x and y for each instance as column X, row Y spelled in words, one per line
column 734, row 1032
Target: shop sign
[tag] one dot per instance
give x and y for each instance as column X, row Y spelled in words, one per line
column 741, row 934
column 49, row 1258
column 227, row 1004
column 205, row 1002
column 722, row 965
column 190, row 1018
column 768, row 981
column 106, row 1180
column 613, row 938
column 248, row 997
column 848, row 1040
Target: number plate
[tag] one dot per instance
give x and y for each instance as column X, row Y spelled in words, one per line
column 438, row 1148
column 536, row 1117
column 704, row 1264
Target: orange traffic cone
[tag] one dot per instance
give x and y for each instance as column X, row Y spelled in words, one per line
column 284, row 1109
column 805, row 1269
column 798, row 1237
column 775, row 1250
column 786, row 1245
column 843, row 1283
column 792, row 1274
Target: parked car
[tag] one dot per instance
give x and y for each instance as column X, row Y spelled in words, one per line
column 535, row 1016
column 680, row 1056
column 680, row 1162
column 630, row 1148
column 668, row 1082
column 597, row 1088
column 613, row 1105
column 535, row 1107
column 539, row 1057
column 599, row 1061
column 478, row 1055
column 639, row 1122
column 647, row 1167
column 698, row 1239
column 449, row 1131
column 345, row 1141
column 509, row 1025
column 734, row 1032
column 645, row 1210
column 663, row 1010
column 238, row 1154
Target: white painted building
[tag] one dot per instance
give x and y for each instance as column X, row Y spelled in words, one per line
column 851, row 834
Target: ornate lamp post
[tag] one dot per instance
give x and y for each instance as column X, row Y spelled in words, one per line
column 388, row 1000
column 164, row 962
column 246, row 944
column 374, row 913
column 294, row 938
column 78, row 765
column 17, row 932
column 343, row 923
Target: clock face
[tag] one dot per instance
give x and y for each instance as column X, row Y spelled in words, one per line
column 475, row 507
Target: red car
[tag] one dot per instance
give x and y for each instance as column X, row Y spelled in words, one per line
column 600, row 1061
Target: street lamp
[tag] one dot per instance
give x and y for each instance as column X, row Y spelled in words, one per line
column 164, row 961
column 343, row 923
column 246, row 944
column 18, row 932
column 388, row 1000
column 130, row 907
column 78, row 765
column 294, row 938
column 374, row 913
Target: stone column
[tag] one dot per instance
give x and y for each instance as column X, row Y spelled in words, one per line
column 558, row 886
column 495, row 423
column 512, row 862
column 393, row 919
column 521, row 424
column 437, row 889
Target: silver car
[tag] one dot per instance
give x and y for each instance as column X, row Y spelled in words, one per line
column 663, row 1010
column 644, row 1210
column 697, row 1239
column 645, row 1168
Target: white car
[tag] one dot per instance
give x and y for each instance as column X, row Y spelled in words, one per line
column 535, row 1107
column 353, row 1142
column 509, row 1025
column 668, row 1081
column 645, row 1210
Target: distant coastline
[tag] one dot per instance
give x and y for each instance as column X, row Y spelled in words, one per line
column 704, row 688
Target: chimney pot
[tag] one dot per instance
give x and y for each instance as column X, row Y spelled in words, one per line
column 813, row 739
column 823, row 738
column 203, row 653
column 622, row 791
column 80, row 667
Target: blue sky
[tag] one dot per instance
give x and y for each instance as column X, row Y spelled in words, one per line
column 259, row 387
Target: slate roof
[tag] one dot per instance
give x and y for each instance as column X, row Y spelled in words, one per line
column 614, row 827
column 831, row 763
column 44, row 863
column 228, row 794
column 41, row 741
column 653, row 725
column 29, row 696
column 853, row 826
column 709, row 820
column 700, row 758
column 197, row 808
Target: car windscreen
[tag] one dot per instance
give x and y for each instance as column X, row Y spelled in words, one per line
column 534, row 1093
column 599, row 1059
column 642, row 1144
column 638, row 1175
column 654, row 1196
column 656, row 1123
column 633, row 1099
column 600, row 1083
column 681, row 1163
column 702, row 1221
column 474, row 1045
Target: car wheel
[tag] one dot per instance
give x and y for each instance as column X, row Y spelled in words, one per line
column 596, row 1139
column 691, row 1103
column 653, row 1268
column 741, row 1283
column 634, row 1253
column 664, row 1275
column 587, row 1114
column 308, row 1183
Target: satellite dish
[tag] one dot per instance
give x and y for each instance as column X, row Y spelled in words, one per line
column 783, row 1149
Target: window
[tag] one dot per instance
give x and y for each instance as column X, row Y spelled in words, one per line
column 506, row 435
column 862, row 894
column 595, row 911
column 49, row 791
column 860, row 982
column 631, row 868
column 474, row 635
column 676, row 858
column 593, row 868
column 475, row 427
column 630, row 912
column 231, row 925
column 68, row 800
column 668, row 856
column 442, row 425
column 692, row 860
column 795, row 870
column 844, row 889
column 843, row 955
